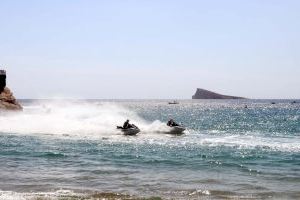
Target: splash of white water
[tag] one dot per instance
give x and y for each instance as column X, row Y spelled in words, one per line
column 71, row 118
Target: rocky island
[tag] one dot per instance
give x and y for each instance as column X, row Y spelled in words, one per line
column 205, row 94
column 7, row 99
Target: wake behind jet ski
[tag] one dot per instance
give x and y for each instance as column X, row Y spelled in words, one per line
column 175, row 128
column 129, row 129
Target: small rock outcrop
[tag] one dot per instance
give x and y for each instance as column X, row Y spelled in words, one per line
column 205, row 94
column 7, row 99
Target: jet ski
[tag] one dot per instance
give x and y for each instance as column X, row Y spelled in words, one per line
column 173, row 102
column 176, row 130
column 133, row 130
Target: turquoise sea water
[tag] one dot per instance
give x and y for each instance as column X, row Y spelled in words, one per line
column 228, row 151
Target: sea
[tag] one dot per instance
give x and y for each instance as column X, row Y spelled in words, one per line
column 71, row 149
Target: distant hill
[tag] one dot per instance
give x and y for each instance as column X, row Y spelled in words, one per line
column 205, row 94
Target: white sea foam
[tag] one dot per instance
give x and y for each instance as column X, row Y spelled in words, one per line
column 253, row 141
column 59, row 194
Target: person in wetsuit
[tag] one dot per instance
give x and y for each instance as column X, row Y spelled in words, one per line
column 171, row 123
column 127, row 125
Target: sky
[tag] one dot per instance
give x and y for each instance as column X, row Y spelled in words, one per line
column 150, row 49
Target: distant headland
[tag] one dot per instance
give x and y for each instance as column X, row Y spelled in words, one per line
column 7, row 99
column 205, row 94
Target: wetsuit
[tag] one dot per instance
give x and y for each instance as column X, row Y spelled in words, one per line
column 126, row 124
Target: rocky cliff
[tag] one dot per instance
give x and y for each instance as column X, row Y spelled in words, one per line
column 205, row 94
column 7, row 99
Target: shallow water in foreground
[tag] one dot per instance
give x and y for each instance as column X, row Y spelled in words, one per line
column 72, row 147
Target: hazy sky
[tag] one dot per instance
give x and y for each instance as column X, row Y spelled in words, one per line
column 151, row 48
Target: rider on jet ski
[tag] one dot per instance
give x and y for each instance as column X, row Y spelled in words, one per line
column 127, row 125
column 171, row 123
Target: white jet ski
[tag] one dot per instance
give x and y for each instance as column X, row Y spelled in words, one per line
column 176, row 130
column 129, row 131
